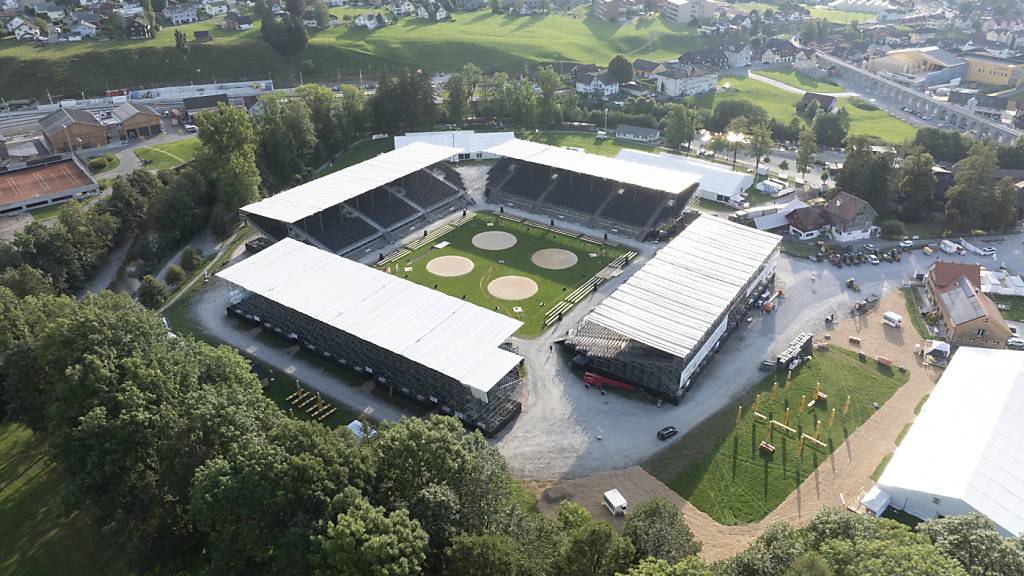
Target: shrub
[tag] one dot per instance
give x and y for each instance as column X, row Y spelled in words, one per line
column 190, row 259
column 97, row 164
column 152, row 292
column 175, row 275
column 863, row 104
column 892, row 229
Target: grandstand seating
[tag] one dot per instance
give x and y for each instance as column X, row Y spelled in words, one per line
column 383, row 207
column 498, row 172
column 575, row 193
column 452, row 175
column 633, row 206
column 275, row 228
column 426, row 191
column 338, row 232
column 528, row 182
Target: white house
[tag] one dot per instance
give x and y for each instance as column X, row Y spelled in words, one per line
column 336, row 3
column 962, row 454
column 84, row 29
column 739, row 56
column 130, row 9
column 15, row 23
column 604, row 85
column 404, row 8
column 369, row 21
column 215, row 8
column 637, row 133
column 52, row 11
column 685, row 81
column 26, row 31
column 181, row 14
column 683, row 11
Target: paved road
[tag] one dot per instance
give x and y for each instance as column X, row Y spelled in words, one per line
column 793, row 89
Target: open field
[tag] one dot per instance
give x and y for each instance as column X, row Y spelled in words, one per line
column 588, row 142
column 802, row 81
column 489, row 265
column 1015, row 303
column 781, row 105
column 841, row 16
column 360, row 152
column 489, row 40
column 724, row 473
column 167, row 156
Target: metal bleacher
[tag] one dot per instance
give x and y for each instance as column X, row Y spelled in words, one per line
column 577, row 194
column 338, row 232
column 634, row 207
column 428, row 192
column 381, row 206
column 528, row 181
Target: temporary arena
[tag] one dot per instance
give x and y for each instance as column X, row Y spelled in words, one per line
column 37, row 183
column 423, row 344
column 370, row 204
column 624, row 196
column 662, row 326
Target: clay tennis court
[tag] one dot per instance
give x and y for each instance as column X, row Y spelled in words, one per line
column 41, row 181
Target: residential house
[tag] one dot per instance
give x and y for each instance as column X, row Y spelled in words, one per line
column 70, row 128
column 806, row 223
column 826, row 102
column 84, row 29
column 738, row 55
column 129, row 9
column 580, row 69
column 645, row 68
column 236, row 21
column 969, row 317
column 468, row 5
column 336, row 3
column 201, row 36
column 706, row 58
column 15, row 23
column 603, row 85
column 181, row 14
column 608, row 10
column 138, row 27
column 684, row 11
column 369, row 20
column 431, row 10
column 26, row 32
column 404, row 8
column 638, row 133
column 50, row 10
column 135, row 120
column 805, row 60
column 777, row 51
column 309, row 19
column 740, row 21
column 85, row 16
column 215, row 8
column 850, row 218
column 686, row 81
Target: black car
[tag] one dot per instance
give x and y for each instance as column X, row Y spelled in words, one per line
column 667, row 432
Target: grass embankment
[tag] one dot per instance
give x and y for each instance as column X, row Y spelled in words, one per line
column 587, row 142
column 553, row 285
column 492, row 41
column 719, row 468
column 781, row 105
column 802, row 81
column 357, row 153
column 169, row 155
column 915, row 315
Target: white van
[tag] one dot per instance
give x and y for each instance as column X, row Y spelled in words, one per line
column 614, row 502
column 892, row 319
column 951, row 247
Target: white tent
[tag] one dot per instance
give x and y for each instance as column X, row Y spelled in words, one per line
column 965, row 451
column 472, row 145
column 717, row 182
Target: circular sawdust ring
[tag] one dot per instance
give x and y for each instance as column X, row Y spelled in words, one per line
column 450, row 266
column 554, row 259
column 512, row 288
column 494, row 240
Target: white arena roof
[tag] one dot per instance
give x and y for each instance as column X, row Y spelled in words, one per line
column 446, row 334
column 318, row 195
column 967, row 444
column 467, row 140
column 672, row 302
column 714, row 178
column 666, row 180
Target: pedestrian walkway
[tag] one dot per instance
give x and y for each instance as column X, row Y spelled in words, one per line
column 836, row 481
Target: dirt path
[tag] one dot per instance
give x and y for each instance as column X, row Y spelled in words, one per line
column 837, row 479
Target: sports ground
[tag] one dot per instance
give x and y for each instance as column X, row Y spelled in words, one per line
column 515, row 268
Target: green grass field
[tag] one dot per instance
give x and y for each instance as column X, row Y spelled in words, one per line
column 587, row 141
column 1014, row 306
column 489, row 40
column 553, row 285
column 840, row 16
column 357, row 153
column 802, row 81
column 719, row 468
column 781, row 105
column 46, row 212
column 167, row 156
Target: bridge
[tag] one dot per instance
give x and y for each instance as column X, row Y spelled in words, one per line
column 957, row 116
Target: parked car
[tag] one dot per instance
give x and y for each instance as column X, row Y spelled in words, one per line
column 191, row 128
column 988, row 251
column 872, row 259
column 907, row 244
column 1015, row 342
column 667, row 432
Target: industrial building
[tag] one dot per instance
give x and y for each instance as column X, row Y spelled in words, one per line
column 717, row 182
column 435, row 349
column 660, row 329
column 41, row 182
column 70, row 129
column 965, row 451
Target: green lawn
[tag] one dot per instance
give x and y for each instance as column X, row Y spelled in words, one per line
column 915, row 315
column 802, row 81
column 357, row 153
column 112, row 162
column 841, row 16
column 1015, row 303
column 719, row 468
column 46, row 212
column 588, row 142
column 781, row 105
column 554, row 285
column 283, row 386
column 170, row 155
column 489, row 40
column 881, row 467
column 36, row 537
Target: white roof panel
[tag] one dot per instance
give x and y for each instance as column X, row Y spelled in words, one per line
column 467, row 140
column 968, row 441
column 678, row 296
column 671, row 181
column 318, row 195
column 451, row 336
column 714, row 178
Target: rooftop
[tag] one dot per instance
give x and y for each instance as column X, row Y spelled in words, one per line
column 713, row 177
column 41, row 181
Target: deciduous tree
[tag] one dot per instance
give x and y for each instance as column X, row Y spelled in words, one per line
column 657, row 530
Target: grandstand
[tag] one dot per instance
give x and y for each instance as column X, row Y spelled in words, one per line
column 593, row 190
column 661, row 327
column 367, row 204
column 440, row 351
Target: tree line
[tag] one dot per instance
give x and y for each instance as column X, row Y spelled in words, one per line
column 186, row 463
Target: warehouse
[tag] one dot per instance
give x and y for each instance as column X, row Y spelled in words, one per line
column 438, row 350
column 472, row 145
column 717, row 183
column 965, row 452
column 71, row 129
column 57, row 179
column 661, row 328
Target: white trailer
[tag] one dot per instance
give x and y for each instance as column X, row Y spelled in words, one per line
column 892, row 319
column 951, row 247
column 615, row 502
